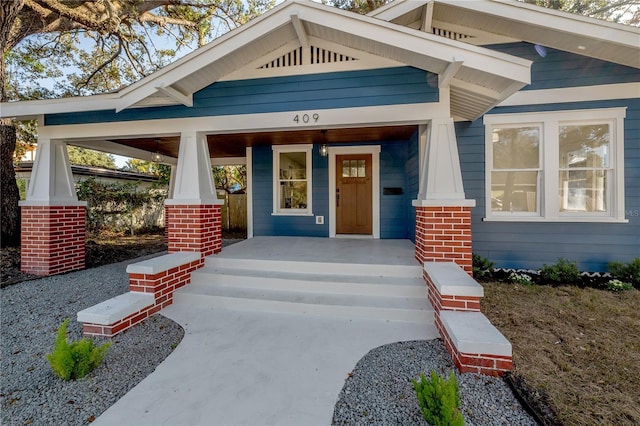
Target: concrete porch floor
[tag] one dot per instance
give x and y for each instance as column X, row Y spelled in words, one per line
column 338, row 250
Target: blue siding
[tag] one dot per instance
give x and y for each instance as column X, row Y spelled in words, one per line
column 394, row 209
column 530, row 244
column 388, row 86
column 563, row 69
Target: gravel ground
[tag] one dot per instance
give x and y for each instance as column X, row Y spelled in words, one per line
column 379, row 390
column 31, row 313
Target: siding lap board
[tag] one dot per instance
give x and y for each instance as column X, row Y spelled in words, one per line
column 349, row 89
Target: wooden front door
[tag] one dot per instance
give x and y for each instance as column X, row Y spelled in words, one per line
column 354, row 212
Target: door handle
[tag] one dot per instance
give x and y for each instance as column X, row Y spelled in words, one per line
column 337, row 200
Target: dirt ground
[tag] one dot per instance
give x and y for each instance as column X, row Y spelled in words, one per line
column 99, row 251
column 577, row 351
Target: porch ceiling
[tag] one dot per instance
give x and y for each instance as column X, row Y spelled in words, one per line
column 234, row 144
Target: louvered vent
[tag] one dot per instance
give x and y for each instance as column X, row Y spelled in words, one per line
column 323, row 56
column 450, row 34
column 317, row 56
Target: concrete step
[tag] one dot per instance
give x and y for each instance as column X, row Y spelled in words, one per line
column 380, row 292
column 393, row 286
column 300, row 304
column 315, row 267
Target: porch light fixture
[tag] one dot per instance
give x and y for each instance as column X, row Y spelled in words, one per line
column 324, row 150
column 157, row 157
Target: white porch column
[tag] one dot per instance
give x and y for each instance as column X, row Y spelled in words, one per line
column 193, row 212
column 53, row 220
column 443, row 214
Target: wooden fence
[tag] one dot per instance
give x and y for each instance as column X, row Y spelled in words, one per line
column 234, row 212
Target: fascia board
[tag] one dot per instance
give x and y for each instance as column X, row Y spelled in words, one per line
column 396, row 8
column 25, row 110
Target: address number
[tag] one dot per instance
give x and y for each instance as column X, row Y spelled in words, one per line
column 306, row 118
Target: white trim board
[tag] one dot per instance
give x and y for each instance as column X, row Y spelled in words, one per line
column 603, row 92
column 385, row 115
column 374, row 150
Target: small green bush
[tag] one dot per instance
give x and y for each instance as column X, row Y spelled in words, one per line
column 74, row 360
column 523, row 279
column 482, row 267
column 626, row 272
column 561, row 272
column 617, row 285
column 439, row 399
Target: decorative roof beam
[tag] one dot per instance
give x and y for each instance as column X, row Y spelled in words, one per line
column 186, row 100
column 300, row 32
column 445, row 78
column 427, row 18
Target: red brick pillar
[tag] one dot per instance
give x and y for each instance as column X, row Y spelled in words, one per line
column 53, row 239
column 443, row 234
column 194, row 227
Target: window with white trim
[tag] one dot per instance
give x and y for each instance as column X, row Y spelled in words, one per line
column 292, row 179
column 556, row 166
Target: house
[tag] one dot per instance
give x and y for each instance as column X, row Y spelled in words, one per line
column 491, row 126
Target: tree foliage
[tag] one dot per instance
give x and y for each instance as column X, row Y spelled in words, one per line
column 230, row 177
column 162, row 171
column 90, row 157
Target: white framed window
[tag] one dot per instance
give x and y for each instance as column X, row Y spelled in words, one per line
column 292, row 185
column 555, row 166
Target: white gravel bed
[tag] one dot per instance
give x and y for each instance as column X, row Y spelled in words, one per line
column 379, row 390
column 32, row 311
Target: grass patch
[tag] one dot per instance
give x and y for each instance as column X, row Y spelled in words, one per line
column 578, row 347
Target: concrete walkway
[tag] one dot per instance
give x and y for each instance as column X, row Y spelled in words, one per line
column 250, row 368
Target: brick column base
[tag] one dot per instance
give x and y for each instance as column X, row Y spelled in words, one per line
column 53, row 239
column 194, row 227
column 443, row 234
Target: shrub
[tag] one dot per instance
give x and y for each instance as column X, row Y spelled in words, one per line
column 439, row 399
column 482, row 267
column 561, row 272
column 617, row 285
column 74, row 360
column 626, row 272
column 524, row 279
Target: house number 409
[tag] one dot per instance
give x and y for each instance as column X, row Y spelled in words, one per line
column 306, row 118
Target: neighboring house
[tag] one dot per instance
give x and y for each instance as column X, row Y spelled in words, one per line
column 493, row 126
column 102, row 174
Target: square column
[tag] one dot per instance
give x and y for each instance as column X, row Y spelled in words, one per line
column 193, row 213
column 53, row 220
column 443, row 214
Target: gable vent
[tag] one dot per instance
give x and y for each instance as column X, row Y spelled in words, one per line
column 450, row 34
column 317, row 55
